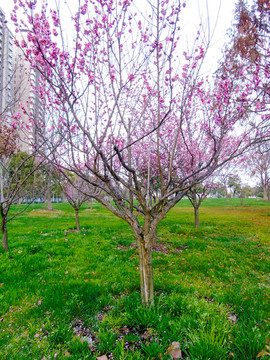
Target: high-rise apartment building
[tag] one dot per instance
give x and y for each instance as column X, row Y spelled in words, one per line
column 26, row 99
column 19, row 85
column 6, row 69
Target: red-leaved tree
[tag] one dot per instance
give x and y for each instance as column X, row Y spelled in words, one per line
column 246, row 57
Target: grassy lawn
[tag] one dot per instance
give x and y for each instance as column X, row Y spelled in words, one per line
column 70, row 295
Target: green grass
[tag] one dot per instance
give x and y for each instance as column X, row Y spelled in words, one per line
column 70, row 295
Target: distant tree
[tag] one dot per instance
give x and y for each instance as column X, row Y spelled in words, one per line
column 76, row 190
column 245, row 192
column 18, row 180
column 53, row 186
column 76, row 193
column 219, row 190
column 234, row 183
column 196, row 194
column 56, row 190
column 7, row 148
column 223, row 176
column 258, row 191
column 48, row 188
column 259, row 163
column 246, row 57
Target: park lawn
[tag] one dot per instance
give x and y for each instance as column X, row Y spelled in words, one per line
column 70, row 295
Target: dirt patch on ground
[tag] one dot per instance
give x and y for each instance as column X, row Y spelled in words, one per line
column 42, row 212
column 71, row 231
column 158, row 247
column 88, row 334
column 126, row 248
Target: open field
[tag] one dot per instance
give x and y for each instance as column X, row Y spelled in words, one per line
column 70, row 295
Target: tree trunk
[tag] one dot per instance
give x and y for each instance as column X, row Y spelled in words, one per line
column 196, row 215
column 1, row 184
column 226, row 194
column 4, row 233
column 77, row 219
column 48, row 191
column 144, row 243
column 265, row 192
column 48, row 198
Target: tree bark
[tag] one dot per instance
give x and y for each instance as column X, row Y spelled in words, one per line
column 77, row 219
column 4, row 233
column 144, row 243
column 196, row 215
column 48, row 198
column 265, row 192
column 146, row 274
column 226, row 193
column 48, row 191
column 195, row 202
column 1, row 184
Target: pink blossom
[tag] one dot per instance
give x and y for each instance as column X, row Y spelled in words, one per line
column 131, row 77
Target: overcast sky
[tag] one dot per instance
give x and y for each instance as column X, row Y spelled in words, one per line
column 192, row 12
column 196, row 11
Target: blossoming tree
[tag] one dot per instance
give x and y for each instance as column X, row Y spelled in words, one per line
column 21, row 177
column 259, row 164
column 129, row 100
column 199, row 192
column 76, row 191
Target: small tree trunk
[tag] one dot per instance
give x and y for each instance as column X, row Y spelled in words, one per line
column 48, row 198
column 48, row 191
column 1, row 183
column 146, row 274
column 226, row 194
column 196, row 215
column 4, row 233
column 129, row 164
column 265, row 192
column 144, row 243
column 77, row 219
